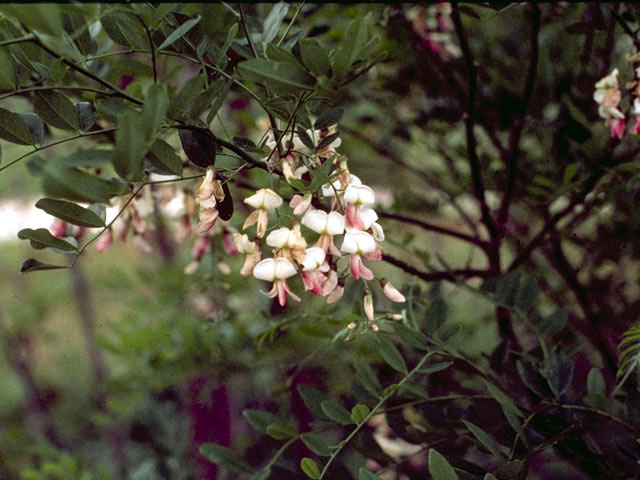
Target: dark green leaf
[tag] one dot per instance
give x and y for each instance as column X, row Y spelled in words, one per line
column 510, row 470
column 359, row 413
column 316, row 444
column 314, row 57
column 231, row 36
column 78, row 186
column 131, row 147
column 125, row 30
column 328, row 118
column 42, row 238
column 367, row 378
column 32, row 265
column 312, row 398
column 199, row 145
column 86, row 158
column 595, row 382
column 554, row 323
column 321, row 175
column 489, row 476
column 244, row 143
column 226, row 458
column 220, row 98
column 328, row 140
column 259, row 419
column 527, row 295
column 179, row 32
column 70, row 212
column 86, row 115
column 435, row 367
column 336, row 412
column 439, row 467
column 14, row 129
column 35, row 125
column 191, row 88
column 7, row 70
column 163, row 159
column 310, row 468
column 390, row 354
column 413, row 389
column 305, row 138
column 77, row 29
column 280, row 76
column 156, row 104
column 111, row 108
column 56, row 109
column 279, row 54
column 43, row 18
column 365, row 474
column 280, row 431
column 273, row 21
column 485, row 439
column 531, row 377
column 504, row 401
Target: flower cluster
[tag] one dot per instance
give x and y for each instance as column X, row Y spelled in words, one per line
column 432, row 23
column 607, row 95
column 329, row 238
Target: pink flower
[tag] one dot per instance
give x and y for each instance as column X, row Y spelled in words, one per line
column 277, row 271
column 313, row 270
column 358, row 243
column 616, row 127
column 300, row 204
column 209, row 190
column 104, row 242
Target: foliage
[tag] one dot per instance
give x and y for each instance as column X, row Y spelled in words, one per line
column 505, row 199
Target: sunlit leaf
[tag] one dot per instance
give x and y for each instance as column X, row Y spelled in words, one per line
column 70, row 212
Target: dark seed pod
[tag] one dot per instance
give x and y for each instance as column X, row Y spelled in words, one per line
column 199, row 145
column 225, row 207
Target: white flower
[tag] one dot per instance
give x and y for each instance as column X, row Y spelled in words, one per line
column 357, row 242
column 314, row 259
column 276, row 270
column 368, row 216
column 243, row 244
column 329, row 189
column 265, row 199
column 286, row 238
column 359, row 195
column 324, row 223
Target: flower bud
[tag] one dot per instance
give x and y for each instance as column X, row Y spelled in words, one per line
column 368, row 305
column 391, row 292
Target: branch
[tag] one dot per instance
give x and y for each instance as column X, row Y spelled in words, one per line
column 449, row 275
column 434, row 228
column 470, row 120
column 518, row 123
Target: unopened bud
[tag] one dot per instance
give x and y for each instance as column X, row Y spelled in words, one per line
column 352, row 326
column 391, row 292
column 368, row 305
column 396, row 317
column 374, row 328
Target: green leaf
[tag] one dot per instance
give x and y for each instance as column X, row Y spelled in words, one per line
column 190, row 89
column 273, row 21
column 413, row 389
column 410, row 336
column 164, row 159
column 310, row 468
column 226, row 458
column 390, row 354
column 328, row 140
column 367, row 378
column 179, row 32
column 489, row 476
column 365, row 474
column 439, row 467
column 124, row 29
column 312, row 398
column 305, row 138
column 78, row 186
column 14, row 129
column 336, row 412
column 485, row 439
column 156, row 104
column 435, row 367
column 199, row 145
column 314, row 57
column 595, row 382
column 554, row 323
column 77, row 29
column 220, row 98
column 86, row 115
column 328, row 118
column 32, row 265
column 359, row 413
column 43, row 18
column 42, row 238
column 280, row 431
column 531, row 377
column 131, row 147
column 570, row 172
column 70, row 212
column 504, row 401
column 316, row 444
column 56, row 110
column 231, row 36
column 321, row 175
column 7, row 70
column 259, row 419
column 35, row 125
column 280, row 76
column 527, row 295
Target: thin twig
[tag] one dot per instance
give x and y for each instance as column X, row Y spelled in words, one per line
column 450, row 275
